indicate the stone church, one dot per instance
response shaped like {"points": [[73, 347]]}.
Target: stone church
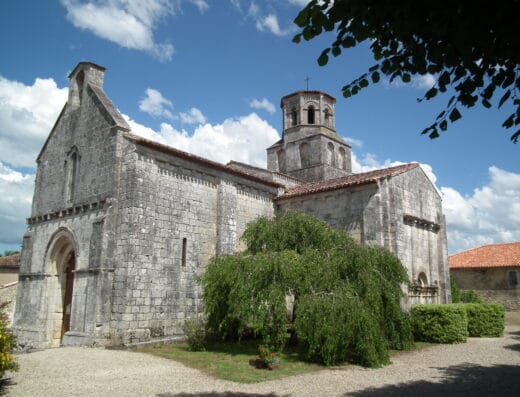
{"points": [[121, 227]]}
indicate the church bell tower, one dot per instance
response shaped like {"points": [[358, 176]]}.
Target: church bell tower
{"points": [[310, 148]]}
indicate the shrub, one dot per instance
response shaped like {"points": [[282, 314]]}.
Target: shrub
{"points": [[455, 298], [195, 332], [296, 254], [440, 323], [336, 328], [7, 341], [485, 319], [470, 296]]}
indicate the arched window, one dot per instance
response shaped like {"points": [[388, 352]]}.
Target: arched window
{"points": [[328, 118], [331, 160], [305, 155], [71, 173], [281, 160], [80, 80], [342, 158], [423, 280], [311, 115], [294, 118]]}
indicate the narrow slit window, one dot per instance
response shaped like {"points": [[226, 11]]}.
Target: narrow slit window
{"points": [[183, 260]]}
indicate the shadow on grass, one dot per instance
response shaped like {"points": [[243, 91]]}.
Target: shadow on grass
{"points": [[217, 394], [457, 380], [5, 384]]}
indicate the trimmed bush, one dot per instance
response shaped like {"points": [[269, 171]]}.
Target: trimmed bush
{"points": [[440, 323], [485, 319]]}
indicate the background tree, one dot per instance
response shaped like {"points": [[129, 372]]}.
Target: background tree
{"points": [[471, 47]]}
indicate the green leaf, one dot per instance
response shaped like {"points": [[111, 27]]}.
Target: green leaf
{"points": [[336, 51], [324, 58], [443, 125], [444, 79], [515, 136], [302, 18], [509, 122], [455, 115], [406, 78], [486, 103], [373, 68], [375, 77], [504, 98], [347, 93], [296, 39], [363, 83], [434, 134], [348, 42], [432, 92]]}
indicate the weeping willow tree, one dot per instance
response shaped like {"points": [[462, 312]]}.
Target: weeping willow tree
{"points": [[346, 296]]}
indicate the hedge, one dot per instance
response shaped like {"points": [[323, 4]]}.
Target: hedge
{"points": [[440, 323], [485, 319]]}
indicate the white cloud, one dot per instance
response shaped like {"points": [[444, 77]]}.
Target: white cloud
{"points": [[490, 215], [202, 5], [155, 104], [264, 104], [270, 23], [242, 138], [194, 116], [16, 192], [353, 141], [128, 23], [27, 114], [301, 3], [422, 82], [425, 81]]}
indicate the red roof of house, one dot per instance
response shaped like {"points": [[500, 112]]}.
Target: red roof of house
{"points": [[10, 262], [493, 255], [347, 181]]}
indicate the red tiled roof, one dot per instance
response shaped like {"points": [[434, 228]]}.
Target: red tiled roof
{"points": [[493, 255], [347, 181], [10, 262]]}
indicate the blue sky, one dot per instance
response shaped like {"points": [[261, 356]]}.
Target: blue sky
{"points": [[207, 77]]}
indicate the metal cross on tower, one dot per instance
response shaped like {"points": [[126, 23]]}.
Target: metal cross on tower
{"points": [[307, 81]]}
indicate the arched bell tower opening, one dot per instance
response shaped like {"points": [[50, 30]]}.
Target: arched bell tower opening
{"points": [[61, 264]]}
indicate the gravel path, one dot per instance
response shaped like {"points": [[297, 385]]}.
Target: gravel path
{"points": [[480, 367]]}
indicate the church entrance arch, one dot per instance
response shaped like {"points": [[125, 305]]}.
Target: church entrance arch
{"points": [[61, 263]]}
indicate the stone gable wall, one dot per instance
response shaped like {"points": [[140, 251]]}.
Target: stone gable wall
{"points": [[87, 129]]}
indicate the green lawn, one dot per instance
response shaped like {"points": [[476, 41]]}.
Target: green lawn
{"points": [[230, 361]]}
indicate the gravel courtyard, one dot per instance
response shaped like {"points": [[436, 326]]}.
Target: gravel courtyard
{"points": [[480, 367]]}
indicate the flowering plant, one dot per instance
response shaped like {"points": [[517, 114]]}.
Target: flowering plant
{"points": [[268, 357]]}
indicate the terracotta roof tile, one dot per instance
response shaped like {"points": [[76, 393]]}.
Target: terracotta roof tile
{"points": [[10, 262], [347, 181], [493, 255]]}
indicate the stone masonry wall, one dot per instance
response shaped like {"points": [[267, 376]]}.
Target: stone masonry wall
{"points": [[169, 205], [89, 221], [492, 284], [417, 222]]}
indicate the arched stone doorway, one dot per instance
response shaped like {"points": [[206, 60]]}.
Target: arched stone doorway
{"points": [[61, 263]]}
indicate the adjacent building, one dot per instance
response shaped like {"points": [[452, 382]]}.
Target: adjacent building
{"points": [[493, 271]]}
